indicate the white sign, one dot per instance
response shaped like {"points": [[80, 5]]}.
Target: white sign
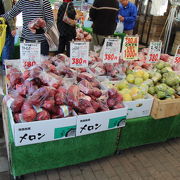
{"points": [[42, 131], [177, 56], [154, 52], [111, 50], [79, 54], [102, 121], [30, 54]]}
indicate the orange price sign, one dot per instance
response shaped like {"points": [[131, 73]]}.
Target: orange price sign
{"points": [[154, 52], [111, 50], [79, 54], [130, 48], [177, 56]]}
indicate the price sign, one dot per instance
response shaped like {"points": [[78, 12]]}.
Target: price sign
{"points": [[111, 50], [177, 56], [154, 52], [79, 54], [30, 54], [130, 48]]}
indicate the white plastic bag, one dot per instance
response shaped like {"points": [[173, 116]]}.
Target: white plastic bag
{"points": [[120, 27]]}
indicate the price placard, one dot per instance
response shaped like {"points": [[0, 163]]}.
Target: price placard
{"points": [[111, 50], [154, 51], [177, 56], [79, 54], [130, 48], [30, 54]]}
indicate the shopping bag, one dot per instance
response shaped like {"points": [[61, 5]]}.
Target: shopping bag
{"points": [[52, 34], [68, 20], [120, 27], [3, 27]]}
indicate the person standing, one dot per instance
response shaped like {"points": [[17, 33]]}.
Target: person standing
{"points": [[32, 9], [103, 13], [127, 15], [7, 53], [67, 32]]}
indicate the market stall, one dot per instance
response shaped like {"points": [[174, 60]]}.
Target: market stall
{"points": [[60, 111]]}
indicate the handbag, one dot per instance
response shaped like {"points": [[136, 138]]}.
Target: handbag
{"points": [[52, 34], [66, 19]]}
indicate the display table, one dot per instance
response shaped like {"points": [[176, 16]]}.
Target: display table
{"points": [[146, 130], [60, 153]]}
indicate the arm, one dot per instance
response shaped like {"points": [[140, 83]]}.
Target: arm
{"points": [[133, 16], [17, 8], [48, 14], [7, 7]]}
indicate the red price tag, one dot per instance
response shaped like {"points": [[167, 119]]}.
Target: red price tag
{"points": [[110, 57], [177, 59], [153, 57], [78, 61], [28, 64]]}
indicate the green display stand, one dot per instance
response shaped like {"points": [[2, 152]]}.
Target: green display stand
{"points": [[146, 130], [60, 153], [175, 128]]}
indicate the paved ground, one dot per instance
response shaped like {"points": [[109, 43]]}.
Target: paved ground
{"points": [[158, 161]]}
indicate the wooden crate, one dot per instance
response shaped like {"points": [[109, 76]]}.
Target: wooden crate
{"points": [[165, 108]]}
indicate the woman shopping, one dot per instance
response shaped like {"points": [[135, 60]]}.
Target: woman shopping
{"points": [[32, 9], [67, 29]]}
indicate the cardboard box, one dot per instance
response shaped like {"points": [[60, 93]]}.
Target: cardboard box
{"points": [[56, 129], [165, 108], [102, 121], [140, 107], [42, 131]]}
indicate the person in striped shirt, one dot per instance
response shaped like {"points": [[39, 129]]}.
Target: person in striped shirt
{"points": [[32, 9]]}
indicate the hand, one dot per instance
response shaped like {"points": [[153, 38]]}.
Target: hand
{"points": [[13, 33], [121, 18], [33, 30]]}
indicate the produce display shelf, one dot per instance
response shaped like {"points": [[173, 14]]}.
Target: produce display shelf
{"points": [[49, 155], [37, 157]]}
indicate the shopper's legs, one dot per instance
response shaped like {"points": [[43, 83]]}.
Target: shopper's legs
{"points": [[97, 40], [129, 32], [62, 44], [44, 48]]}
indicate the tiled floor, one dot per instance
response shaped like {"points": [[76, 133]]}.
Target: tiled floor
{"points": [[156, 161]]}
